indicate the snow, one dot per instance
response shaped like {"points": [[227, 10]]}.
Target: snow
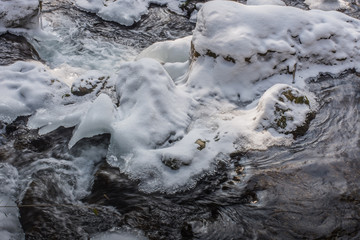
{"points": [[265, 2], [125, 12], [26, 87], [327, 5], [18, 13], [235, 46]]}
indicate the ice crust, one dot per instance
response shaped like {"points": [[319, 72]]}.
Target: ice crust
{"points": [[182, 106], [125, 12]]}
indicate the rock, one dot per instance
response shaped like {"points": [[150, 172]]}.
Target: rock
{"points": [[19, 13], [285, 109], [87, 84], [16, 48]]}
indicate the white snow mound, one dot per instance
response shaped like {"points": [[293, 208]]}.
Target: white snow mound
{"points": [[236, 45]]}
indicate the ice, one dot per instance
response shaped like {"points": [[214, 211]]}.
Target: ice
{"points": [[173, 54], [97, 120], [168, 51], [125, 12], [26, 87], [235, 46], [327, 5]]}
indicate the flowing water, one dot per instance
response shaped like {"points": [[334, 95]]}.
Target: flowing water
{"points": [[309, 190]]}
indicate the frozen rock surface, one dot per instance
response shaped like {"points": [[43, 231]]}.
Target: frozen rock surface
{"points": [[241, 45], [18, 13]]}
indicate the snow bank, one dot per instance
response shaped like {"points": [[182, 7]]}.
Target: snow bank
{"points": [[327, 5], [18, 13], [26, 87], [125, 12], [235, 46]]}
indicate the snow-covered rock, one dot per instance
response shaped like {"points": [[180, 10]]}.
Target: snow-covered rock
{"points": [[235, 46], [125, 12], [18, 13]]}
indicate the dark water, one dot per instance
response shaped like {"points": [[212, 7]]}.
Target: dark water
{"points": [[310, 190]]}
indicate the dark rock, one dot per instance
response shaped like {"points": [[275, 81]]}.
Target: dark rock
{"points": [[16, 48]]}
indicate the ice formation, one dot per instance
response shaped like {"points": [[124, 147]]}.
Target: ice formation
{"points": [[183, 105], [125, 12], [18, 13]]}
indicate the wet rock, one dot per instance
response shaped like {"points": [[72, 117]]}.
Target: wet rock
{"points": [[88, 84], [16, 48]]}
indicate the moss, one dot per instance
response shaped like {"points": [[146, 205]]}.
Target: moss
{"points": [[301, 130], [281, 122], [194, 54], [298, 100], [229, 59], [211, 54], [173, 163], [201, 143]]}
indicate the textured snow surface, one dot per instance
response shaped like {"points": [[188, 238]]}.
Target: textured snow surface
{"points": [[236, 45], [125, 12], [26, 87]]}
